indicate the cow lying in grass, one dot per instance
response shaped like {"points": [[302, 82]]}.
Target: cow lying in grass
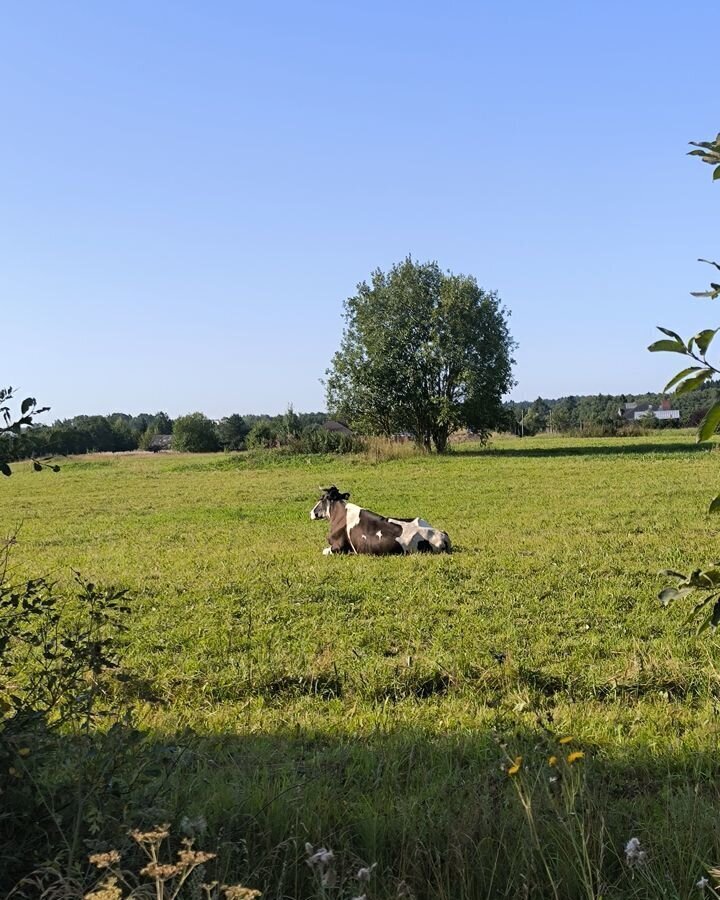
{"points": [[357, 530]]}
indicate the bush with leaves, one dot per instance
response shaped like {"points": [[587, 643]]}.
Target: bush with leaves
{"points": [[56, 653], [702, 583]]}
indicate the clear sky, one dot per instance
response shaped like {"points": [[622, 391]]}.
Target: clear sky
{"points": [[189, 191]]}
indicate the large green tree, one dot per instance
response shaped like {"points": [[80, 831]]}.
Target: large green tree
{"points": [[423, 351]]}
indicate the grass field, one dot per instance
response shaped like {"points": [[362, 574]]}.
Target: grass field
{"points": [[373, 705]]}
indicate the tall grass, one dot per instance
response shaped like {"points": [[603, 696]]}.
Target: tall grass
{"points": [[381, 449]]}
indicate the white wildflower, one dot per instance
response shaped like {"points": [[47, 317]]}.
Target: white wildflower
{"points": [[193, 827], [553, 779], [361, 897], [320, 857], [702, 884], [634, 854], [365, 872]]}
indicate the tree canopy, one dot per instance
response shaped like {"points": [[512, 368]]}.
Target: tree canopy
{"points": [[423, 351], [195, 433]]}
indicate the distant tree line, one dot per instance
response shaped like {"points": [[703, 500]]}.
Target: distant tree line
{"points": [[600, 412], [194, 433]]}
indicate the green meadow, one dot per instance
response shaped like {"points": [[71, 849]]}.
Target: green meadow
{"points": [[374, 705]]}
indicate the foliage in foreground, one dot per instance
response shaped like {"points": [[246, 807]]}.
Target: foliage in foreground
{"points": [[705, 582], [12, 427]]}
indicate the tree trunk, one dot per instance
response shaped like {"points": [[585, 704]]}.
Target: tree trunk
{"points": [[441, 440]]}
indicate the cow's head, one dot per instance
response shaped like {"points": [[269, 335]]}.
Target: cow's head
{"points": [[322, 508]]}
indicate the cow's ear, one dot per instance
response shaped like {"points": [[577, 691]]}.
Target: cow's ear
{"points": [[345, 496]]}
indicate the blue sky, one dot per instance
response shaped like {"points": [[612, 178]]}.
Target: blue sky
{"points": [[190, 190]]}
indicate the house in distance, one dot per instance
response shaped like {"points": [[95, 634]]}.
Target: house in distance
{"points": [[636, 412]]}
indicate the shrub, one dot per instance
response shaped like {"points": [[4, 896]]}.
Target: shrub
{"points": [[316, 439]]}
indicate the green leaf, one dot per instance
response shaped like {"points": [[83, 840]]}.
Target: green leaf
{"points": [[710, 263], [680, 376], [713, 576], [709, 424], [671, 334], [696, 609], [693, 383], [715, 617], [715, 504], [670, 346], [704, 338], [716, 174]]}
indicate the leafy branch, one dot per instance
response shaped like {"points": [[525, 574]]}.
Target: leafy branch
{"points": [[704, 582], [12, 427]]}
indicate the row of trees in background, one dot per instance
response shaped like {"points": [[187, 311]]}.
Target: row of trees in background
{"points": [[194, 433], [600, 411]]}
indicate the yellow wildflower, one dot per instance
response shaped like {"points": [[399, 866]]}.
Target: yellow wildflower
{"points": [[574, 757], [24, 751], [552, 761], [566, 740], [515, 767], [14, 772]]}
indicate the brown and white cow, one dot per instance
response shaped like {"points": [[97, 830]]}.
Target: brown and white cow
{"points": [[357, 530]]}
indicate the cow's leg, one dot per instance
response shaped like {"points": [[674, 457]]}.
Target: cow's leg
{"points": [[327, 551]]}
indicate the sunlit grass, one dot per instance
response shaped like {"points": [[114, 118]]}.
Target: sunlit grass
{"points": [[374, 702]]}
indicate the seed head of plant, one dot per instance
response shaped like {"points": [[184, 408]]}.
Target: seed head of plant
{"points": [[161, 871], [107, 891], [238, 892], [192, 858], [105, 860], [159, 833]]}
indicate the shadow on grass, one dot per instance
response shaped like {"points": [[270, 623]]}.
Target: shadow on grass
{"points": [[619, 449], [438, 812]]}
